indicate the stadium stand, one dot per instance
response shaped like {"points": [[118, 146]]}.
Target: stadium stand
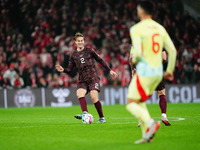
{"points": [[37, 34]]}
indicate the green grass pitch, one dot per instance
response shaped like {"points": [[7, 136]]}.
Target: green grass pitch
{"points": [[56, 129]]}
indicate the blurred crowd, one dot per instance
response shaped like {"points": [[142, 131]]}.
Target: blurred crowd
{"points": [[37, 34]]}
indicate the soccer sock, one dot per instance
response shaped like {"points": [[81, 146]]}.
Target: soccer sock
{"points": [[144, 126], [143, 105], [139, 112], [163, 103], [83, 104], [99, 108], [164, 115]]}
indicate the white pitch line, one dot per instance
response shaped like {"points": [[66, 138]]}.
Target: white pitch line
{"points": [[77, 124], [179, 119], [72, 124]]}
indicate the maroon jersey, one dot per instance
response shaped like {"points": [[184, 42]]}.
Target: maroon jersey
{"points": [[84, 61]]}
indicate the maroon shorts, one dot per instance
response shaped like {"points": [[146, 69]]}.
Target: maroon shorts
{"points": [[90, 85], [161, 86]]}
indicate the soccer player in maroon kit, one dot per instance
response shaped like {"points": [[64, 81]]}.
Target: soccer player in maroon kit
{"points": [[162, 97], [83, 59]]}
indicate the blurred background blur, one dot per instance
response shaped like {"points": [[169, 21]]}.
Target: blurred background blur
{"points": [[37, 34]]}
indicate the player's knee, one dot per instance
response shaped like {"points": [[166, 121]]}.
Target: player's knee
{"points": [[161, 92], [94, 98], [79, 94], [132, 101]]}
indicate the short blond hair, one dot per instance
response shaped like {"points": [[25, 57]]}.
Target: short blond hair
{"points": [[78, 34]]}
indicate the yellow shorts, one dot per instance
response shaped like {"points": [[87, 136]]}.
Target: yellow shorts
{"points": [[141, 88]]}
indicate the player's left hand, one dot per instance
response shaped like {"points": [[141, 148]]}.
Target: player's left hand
{"points": [[114, 74], [168, 76]]}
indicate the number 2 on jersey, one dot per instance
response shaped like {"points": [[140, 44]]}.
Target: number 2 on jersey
{"points": [[82, 60], [155, 45]]}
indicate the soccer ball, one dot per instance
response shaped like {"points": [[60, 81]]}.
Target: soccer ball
{"points": [[87, 118]]}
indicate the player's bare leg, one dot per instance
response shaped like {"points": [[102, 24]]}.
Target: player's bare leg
{"points": [[81, 96], [163, 106], [97, 103], [149, 126]]}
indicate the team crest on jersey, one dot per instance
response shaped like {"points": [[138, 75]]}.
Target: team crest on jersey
{"points": [[86, 54], [75, 57]]}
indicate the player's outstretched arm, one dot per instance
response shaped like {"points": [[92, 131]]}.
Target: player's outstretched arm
{"points": [[169, 46], [59, 68], [113, 74], [68, 69], [103, 63], [100, 60]]}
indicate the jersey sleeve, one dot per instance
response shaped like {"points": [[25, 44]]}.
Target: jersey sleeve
{"points": [[99, 60], [71, 65], [137, 45], [170, 48]]}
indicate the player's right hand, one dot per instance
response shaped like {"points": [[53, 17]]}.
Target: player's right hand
{"points": [[59, 68], [113, 74], [168, 76]]}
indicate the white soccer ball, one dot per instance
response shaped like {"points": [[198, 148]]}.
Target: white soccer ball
{"points": [[87, 118]]}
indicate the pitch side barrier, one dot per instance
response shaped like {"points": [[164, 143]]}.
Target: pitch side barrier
{"points": [[109, 95]]}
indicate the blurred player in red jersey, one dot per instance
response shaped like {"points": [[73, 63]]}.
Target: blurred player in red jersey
{"points": [[161, 93], [83, 59]]}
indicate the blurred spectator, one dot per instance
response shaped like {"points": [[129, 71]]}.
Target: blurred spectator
{"points": [[32, 57], [33, 79], [17, 81], [42, 82], [57, 81], [10, 73], [2, 54], [103, 78], [66, 80], [50, 82], [124, 76], [196, 74], [3, 67], [46, 59], [4, 82]]}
